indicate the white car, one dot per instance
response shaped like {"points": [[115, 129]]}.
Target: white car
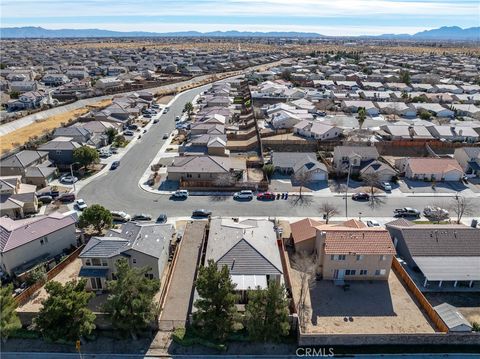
{"points": [[435, 212], [245, 194], [120, 216], [373, 223], [81, 205], [181, 193], [68, 179], [387, 186]]}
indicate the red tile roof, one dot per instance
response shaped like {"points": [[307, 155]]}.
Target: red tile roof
{"points": [[304, 229], [358, 241]]}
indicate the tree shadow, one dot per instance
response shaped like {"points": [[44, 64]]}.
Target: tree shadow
{"points": [[218, 198], [300, 201]]}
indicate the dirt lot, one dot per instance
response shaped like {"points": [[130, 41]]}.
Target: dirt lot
{"points": [[67, 274], [39, 128], [164, 100], [467, 303], [367, 307]]}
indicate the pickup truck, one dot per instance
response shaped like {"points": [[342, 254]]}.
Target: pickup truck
{"points": [[406, 212]]}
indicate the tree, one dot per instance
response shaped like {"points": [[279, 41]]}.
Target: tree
{"points": [[425, 115], [266, 313], [286, 75], [14, 94], [302, 179], [372, 180], [111, 134], [405, 77], [362, 116], [305, 265], [130, 304], [216, 312], [188, 109], [96, 216], [65, 314], [329, 210], [268, 170], [85, 155], [461, 206], [9, 321]]}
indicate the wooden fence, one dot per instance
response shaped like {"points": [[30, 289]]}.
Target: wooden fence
{"points": [[211, 186], [27, 293], [424, 303]]}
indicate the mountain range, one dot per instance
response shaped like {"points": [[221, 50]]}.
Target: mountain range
{"points": [[453, 33]]}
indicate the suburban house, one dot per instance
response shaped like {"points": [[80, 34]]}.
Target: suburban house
{"points": [[354, 106], [26, 242], [396, 108], [16, 198], [430, 169], [142, 245], [353, 251], [29, 100], [447, 255], [77, 134], [316, 130], [434, 108], [60, 150], [383, 171], [469, 160], [205, 168], [298, 163], [353, 158], [249, 249], [33, 166]]}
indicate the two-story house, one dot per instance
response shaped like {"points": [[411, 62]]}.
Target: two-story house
{"points": [[353, 158], [33, 166], [16, 198], [469, 159]]}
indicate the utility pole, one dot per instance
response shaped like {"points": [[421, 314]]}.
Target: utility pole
{"points": [[346, 189]]}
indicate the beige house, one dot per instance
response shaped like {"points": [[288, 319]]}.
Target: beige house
{"points": [[352, 251], [16, 198], [353, 158]]}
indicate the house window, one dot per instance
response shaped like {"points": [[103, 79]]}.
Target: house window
{"points": [[363, 272], [104, 263], [114, 277], [149, 275], [359, 257], [338, 257], [134, 260], [58, 152], [383, 257], [96, 262], [383, 271], [88, 262], [350, 272], [42, 242]]}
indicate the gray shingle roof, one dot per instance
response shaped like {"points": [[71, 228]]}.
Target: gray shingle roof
{"points": [[101, 247], [22, 159]]}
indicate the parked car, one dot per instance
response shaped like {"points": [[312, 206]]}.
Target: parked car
{"points": [[148, 115], [406, 212], [142, 217], [45, 198], [54, 193], [114, 165], [373, 223], [245, 194], [177, 118], [435, 212], [81, 205], [156, 105], [162, 218], [165, 136], [201, 213], [181, 193], [69, 179], [129, 133], [266, 196], [166, 109], [113, 149], [105, 154], [156, 120], [386, 186], [133, 127], [66, 197], [360, 196], [120, 216]]}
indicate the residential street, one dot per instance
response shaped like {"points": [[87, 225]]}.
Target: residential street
{"points": [[119, 189]]}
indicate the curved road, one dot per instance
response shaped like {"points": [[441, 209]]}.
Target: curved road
{"points": [[119, 190]]}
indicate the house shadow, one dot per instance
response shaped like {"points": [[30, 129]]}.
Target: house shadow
{"points": [[167, 185], [361, 299], [437, 187]]}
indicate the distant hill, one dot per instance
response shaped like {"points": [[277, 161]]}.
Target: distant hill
{"points": [[444, 33], [39, 32]]}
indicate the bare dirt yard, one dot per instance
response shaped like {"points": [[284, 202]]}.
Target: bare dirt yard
{"points": [[467, 303], [19, 137], [370, 307]]}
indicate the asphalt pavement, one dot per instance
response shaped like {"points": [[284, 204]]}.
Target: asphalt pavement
{"points": [[119, 189]]}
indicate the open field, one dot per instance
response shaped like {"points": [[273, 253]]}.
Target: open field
{"points": [[233, 44], [369, 307], [19, 137]]}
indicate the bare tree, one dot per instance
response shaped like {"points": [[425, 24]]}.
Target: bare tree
{"points": [[372, 180], [304, 263], [328, 210], [302, 179], [461, 206]]}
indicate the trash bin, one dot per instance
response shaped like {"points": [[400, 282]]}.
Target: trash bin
{"points": [[474, 223]]}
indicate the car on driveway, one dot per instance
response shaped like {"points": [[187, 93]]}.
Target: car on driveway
{"points": [[105, 154], [373, 223], [80, 204], [69, 179], [120, 216], [181, 194], [162, 218], [204, 213], [266, 196], [66, 197], [360, 196], [129, 133], [386, 186], [45, 198], [113, 149], [114, 165], [142, 217], [245, 194], [406, 212]]}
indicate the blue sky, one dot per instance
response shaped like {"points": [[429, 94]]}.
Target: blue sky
{"points": [[328, 17]]}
